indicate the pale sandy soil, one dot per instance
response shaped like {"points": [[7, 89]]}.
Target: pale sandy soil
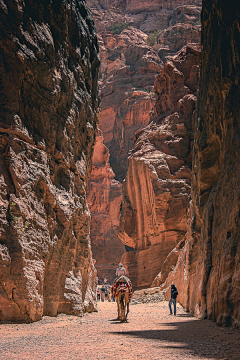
{"points": [[150, 334]]}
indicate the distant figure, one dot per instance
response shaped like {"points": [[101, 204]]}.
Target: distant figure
{"points": [[102, 294], [98, 294], [120, 270], [173, 300]]}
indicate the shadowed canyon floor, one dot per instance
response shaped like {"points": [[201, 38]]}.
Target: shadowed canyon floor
{"points": [[151, 333]]}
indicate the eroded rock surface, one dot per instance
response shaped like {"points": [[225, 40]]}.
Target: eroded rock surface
{"points": [[156, 191], [104, 198], [49, 98], [130, 62], [207, 271], [147, 16]]}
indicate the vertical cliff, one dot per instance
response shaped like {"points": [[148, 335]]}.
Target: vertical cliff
{"points": [[207, 270], [135, 39], [156, 191], [104, 197], [48, 120], [214, 246], [129, 64]]}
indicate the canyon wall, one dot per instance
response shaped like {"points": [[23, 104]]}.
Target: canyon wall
{"points": [[214, 246], [207, 269], [48, 121], [104, 195], [156, 192], [130, 60]]}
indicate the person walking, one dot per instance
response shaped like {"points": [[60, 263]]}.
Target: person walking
{"points": [[173, 300]]}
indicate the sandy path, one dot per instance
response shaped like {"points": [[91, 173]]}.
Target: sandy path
{"points": [[150, 334]]}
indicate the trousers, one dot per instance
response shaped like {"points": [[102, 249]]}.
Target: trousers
{"points": [[174, 302]]}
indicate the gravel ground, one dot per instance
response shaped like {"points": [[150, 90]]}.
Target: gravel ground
{"points": [[151, 333]]}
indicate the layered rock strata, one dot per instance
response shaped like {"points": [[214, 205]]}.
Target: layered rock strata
{"points": [[49, 101], [148, 16], [128, 72], [129, 63], [104, 198], [207, 271], [156, 191]]}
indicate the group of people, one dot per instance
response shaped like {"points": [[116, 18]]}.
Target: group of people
{"points": [[104, 292]]}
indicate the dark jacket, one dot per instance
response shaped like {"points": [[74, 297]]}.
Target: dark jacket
{"points": [[174, 292]]}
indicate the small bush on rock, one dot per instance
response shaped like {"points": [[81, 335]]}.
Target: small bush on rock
{"points": [[152, 38], [118, 28]]}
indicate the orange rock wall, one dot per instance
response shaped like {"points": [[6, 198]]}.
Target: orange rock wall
{"points": [[104, 197], [129, 65], [48, 120], [128, 70], [156, 191]]}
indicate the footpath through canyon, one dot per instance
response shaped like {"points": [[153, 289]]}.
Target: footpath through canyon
{"points": [[150, 334], [154, 180]]}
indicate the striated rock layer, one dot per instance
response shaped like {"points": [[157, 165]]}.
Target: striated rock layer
{"points": [[130, 62], [148, 16], [104, 198], [49, 99], [156, 191], [207, 270]]}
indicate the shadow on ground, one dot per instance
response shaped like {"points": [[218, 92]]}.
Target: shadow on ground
{"points": [[197, 336]]}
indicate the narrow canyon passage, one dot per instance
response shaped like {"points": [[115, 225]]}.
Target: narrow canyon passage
{"points": [[151, 333]]}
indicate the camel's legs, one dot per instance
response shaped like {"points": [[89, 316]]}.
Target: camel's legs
{"points": [[122, 307], [118, 307], [127, 308]]}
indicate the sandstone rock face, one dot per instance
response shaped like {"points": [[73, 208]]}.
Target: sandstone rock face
{"points": [[129, 65], [49, 99], [210, 261], [147, 16], [172, 39], [127, 93], [104, 198], [214, 275], [156, 191]]}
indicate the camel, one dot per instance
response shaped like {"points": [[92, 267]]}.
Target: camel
{"points": [[122, 292], [123, 305]]}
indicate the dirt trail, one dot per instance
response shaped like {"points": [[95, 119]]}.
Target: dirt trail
{"points": [[151, 333]]}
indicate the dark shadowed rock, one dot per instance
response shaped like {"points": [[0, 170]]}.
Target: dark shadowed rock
{"points": [[207, 271], [49, 100]]}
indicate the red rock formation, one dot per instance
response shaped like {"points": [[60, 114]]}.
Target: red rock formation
{"points": [[128, 70], [148, 16], [104, 199], [49, 69], [172, 39], [157, 188], [207, 271], [128, 73], [129, 65]]}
